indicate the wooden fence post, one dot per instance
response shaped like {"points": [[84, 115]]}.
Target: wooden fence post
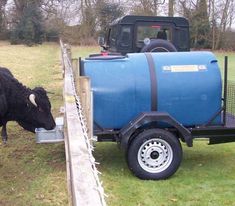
{"points": [[68, 50], [85, 95], [75, 72]]}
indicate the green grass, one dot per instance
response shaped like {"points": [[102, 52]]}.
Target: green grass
{"points": [[32, 174], [231, 63], [205, 177]]}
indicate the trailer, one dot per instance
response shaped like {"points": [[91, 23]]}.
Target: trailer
{"points": [[151, 102]]}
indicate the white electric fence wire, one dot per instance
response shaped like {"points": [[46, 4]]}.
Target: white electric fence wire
{"points": [[82, 118]]}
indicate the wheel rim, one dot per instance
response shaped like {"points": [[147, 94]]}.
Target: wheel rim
{"points": [[155, 155]]}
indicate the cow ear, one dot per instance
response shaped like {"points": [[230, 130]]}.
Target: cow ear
{"points": [[40, 91], [3, 105]]}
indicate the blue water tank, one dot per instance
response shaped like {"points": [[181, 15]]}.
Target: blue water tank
{"points": [[188, 87]]}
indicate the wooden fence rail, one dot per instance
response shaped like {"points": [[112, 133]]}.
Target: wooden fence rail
{"points": [[84, 186]]}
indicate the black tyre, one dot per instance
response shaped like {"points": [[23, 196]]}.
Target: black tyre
{"points": [[154, 154], [159, 45]]}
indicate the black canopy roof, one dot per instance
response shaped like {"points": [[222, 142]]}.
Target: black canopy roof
{"points": [[132, 19]]}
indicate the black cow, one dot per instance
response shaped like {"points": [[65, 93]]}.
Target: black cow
{"points": [[30, 108]]}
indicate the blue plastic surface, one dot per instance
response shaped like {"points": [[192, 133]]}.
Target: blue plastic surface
{"points": [[188, 87]]}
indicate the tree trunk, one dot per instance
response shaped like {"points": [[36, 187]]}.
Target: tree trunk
{"points": [[222, 24], [213, 23], [171, 7]]}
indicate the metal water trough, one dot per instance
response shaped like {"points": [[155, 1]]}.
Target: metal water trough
{"points": [[51, 136]]}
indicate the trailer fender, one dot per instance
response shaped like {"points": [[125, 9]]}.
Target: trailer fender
{"points": [[148, 117]]}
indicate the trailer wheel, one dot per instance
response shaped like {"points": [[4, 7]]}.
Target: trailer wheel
{"points": [[154, 154], [159, 45]]}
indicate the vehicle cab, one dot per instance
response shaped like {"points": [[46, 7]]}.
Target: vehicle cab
{"points": [[132, 34]]}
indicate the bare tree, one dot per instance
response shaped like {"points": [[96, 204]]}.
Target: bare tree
{"points": [[146, 7], [171, 7], [221, 17], [2, 17]]}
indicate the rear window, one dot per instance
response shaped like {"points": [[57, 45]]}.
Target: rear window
{"points": [[125, 37], [183, 40], [152, 31]]}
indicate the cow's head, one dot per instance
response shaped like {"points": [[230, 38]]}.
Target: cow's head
{"points": [[38, 112]]}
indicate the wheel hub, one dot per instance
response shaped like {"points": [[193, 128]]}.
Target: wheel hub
{"points": [[155, 155]]}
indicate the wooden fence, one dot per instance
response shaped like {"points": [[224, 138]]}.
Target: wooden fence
{"points": [[84, 185]]}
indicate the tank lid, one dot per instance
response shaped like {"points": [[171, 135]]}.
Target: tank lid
{"points": [[106, 57]]}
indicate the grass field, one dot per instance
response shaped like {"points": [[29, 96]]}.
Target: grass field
{"points": [[33, 174]]}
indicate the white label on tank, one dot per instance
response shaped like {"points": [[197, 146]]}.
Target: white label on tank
{"points": [[184, 68]]}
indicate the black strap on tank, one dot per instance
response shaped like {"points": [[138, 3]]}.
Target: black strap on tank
{"points": [[153, 81]]}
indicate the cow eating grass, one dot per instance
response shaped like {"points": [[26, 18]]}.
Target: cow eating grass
{"points": [[31, 109]]}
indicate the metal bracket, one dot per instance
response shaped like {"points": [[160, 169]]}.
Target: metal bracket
{"points": [[148, 117]]}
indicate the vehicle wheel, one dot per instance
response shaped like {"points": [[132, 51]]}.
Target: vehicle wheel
{"points": [[154, 154], [159, 45]]}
